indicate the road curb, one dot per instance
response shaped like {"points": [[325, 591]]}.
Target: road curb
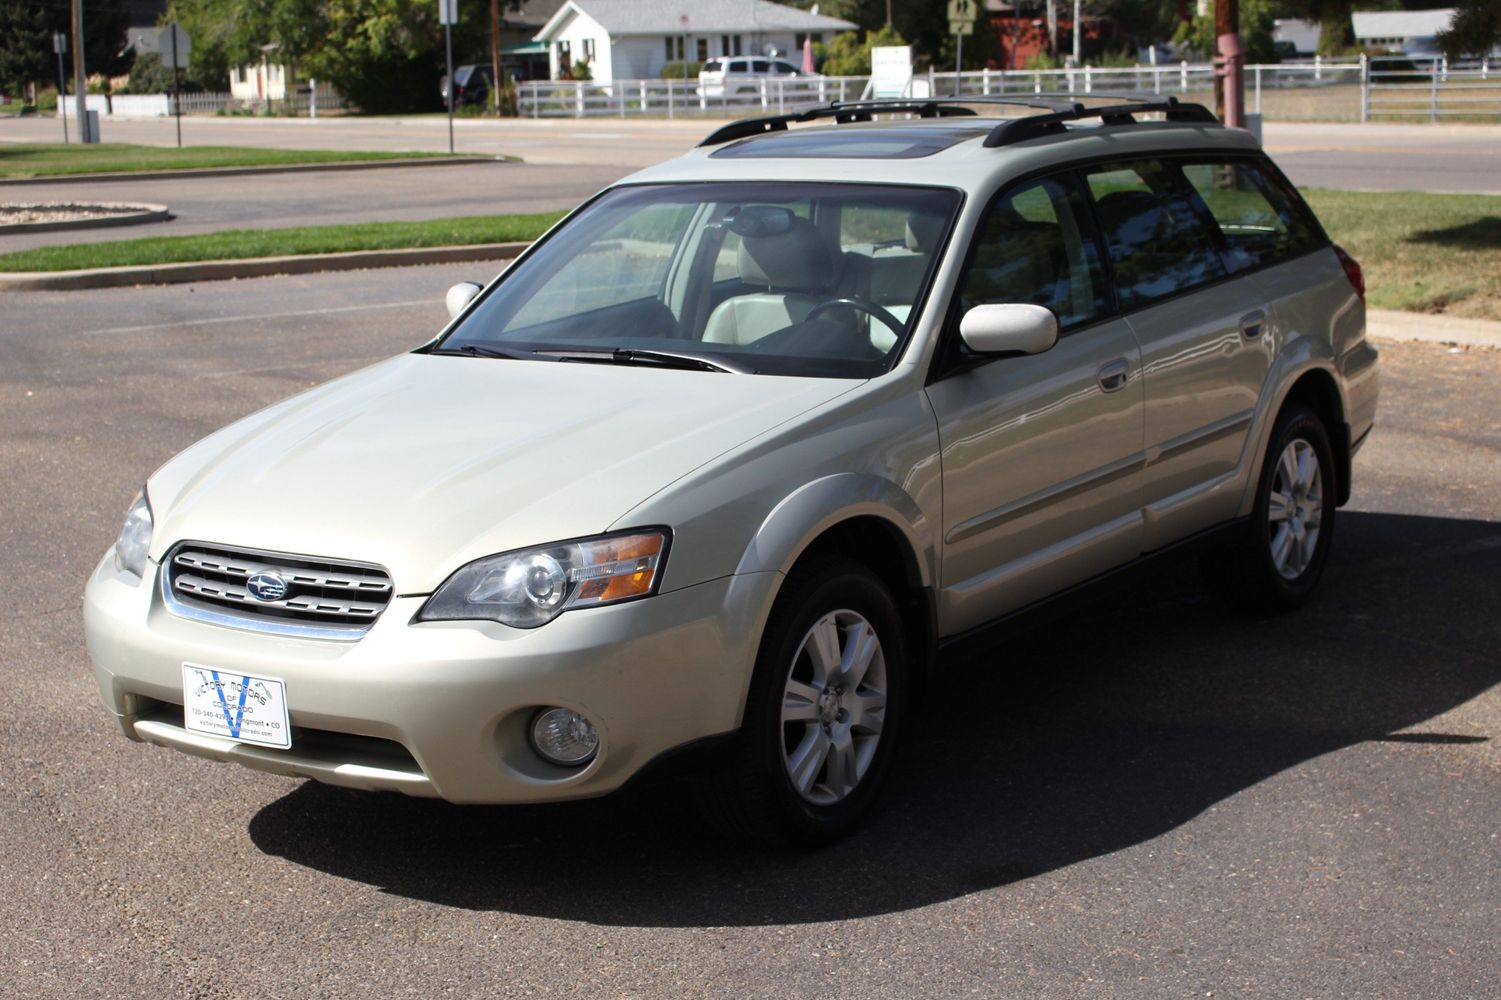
{"points": [[255, 267], [143, 212], [284, 168], [1391, 324]]}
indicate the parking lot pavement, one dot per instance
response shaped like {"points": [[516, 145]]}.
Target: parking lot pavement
{"points": [[1149, 798]]}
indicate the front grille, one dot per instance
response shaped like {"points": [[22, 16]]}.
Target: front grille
{"points": [[322, 598]]}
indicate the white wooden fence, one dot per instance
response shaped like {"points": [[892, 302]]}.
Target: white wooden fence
{"points": [[675, 98], [1405, 88]]}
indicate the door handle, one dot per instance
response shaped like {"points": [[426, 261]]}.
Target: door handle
{"points": [[1251, 323], [1112, 376]]}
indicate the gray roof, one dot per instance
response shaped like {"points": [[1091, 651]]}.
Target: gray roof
{"points": [[1401, 23], [705, 17]]}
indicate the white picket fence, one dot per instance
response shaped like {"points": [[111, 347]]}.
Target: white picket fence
{"points": [[162, 105], [674, 98]]}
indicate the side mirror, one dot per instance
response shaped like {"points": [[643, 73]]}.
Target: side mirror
{"points": [[459, 296], [1009, 328]]}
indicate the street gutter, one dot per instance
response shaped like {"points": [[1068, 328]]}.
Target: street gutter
{"points": [[282, 168]]}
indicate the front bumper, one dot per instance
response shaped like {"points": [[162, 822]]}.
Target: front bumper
{"points": [[442, 708]]}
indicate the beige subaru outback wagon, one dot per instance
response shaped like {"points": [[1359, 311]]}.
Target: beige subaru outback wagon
{"points": [[734, 450]]}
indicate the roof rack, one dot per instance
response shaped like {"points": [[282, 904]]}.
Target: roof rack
{"points": [[1057, 108]]}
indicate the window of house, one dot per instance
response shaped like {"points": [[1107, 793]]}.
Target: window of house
{"points": [[565, 55], [674, 48], [589, 50], [703, 49]]}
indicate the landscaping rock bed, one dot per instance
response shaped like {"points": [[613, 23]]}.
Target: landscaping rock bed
{"points": [[34, 217]]}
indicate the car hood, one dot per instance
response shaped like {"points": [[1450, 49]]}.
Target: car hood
{"points": [[423, 463]]}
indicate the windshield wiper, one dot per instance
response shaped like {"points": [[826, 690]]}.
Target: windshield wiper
{"points": [[483, 351], [663, 359]]}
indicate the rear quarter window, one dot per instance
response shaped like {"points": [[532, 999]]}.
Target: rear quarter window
{"points": [[1260, 222]]}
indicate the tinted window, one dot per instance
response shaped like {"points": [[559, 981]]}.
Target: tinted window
{"points": [[1159, 244], [784, 69], [1035, 247], [760, 66], [1259, 223], [712, 66]]}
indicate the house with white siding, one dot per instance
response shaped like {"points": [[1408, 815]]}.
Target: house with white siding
{"points": [[635, 39]]}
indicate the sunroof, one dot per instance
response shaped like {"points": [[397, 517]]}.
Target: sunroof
{"points": [[852, 143]]}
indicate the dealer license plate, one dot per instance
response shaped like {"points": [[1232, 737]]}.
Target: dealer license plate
{"points": [[236, 706]]}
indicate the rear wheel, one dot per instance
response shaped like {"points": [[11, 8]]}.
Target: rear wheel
{"points": [[1278, 562], [826, 703]]}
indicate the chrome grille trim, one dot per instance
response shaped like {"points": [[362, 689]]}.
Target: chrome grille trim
{"points": [[325, 598]]}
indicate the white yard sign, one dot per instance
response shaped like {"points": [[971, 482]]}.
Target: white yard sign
{"points": [[891, 70]]}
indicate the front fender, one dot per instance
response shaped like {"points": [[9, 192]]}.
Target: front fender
{"points": [[809, 511]]}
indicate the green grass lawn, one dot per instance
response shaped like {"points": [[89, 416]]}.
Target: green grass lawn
{"points": [[1435, 253], [36, 159], [236, 243]]}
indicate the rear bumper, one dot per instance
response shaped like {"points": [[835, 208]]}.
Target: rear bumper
{"points": [[443, 708]]}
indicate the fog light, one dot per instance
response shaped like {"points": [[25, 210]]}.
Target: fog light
{"points": [[564, 737]]}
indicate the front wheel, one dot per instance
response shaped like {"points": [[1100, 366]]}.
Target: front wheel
{"points": [[826, 703]]}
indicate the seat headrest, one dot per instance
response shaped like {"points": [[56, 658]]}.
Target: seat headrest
{"points": [[798, 260], [924, 231]]}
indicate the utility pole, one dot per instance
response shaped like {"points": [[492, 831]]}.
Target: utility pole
{"points": [[1078, 31], [495, 80], [1229, 64], [80, 83], [1053, 28]]}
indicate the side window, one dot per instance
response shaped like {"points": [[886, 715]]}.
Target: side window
{"points": [[1260, 223], [1035, 247], [1158, 242], [760, 66]]}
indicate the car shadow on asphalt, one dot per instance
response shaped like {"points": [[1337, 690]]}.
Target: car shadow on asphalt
{"points": [[1070, 741]]}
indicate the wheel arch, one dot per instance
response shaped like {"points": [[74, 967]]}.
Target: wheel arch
{"points": [[1315, 384], [873, 522]]}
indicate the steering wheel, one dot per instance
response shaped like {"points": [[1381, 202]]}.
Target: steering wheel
{"points": [[896, 326]]}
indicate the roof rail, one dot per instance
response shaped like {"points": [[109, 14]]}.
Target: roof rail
{"points": [[1057, 108], [844, 112], [1035, 126]]}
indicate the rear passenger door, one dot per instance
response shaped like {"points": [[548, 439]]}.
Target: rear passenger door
{"points": [[1041, 453], [1204, 340]]}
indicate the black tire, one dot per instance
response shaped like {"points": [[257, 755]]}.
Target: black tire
{"points": [[754, 794], [1254, 576]]}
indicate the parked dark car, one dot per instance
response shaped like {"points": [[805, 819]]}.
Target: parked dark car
{"points": [[473, 85]]}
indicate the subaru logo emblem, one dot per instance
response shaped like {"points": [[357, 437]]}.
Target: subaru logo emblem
{"points": [[266, 587]]}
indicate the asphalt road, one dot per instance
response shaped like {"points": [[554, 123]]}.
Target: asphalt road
{"points": [[319, 198], [1148, 799]]}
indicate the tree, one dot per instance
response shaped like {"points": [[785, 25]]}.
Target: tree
{"points": [[1257, 28], [26, 29], [25, 45], [849, 54], [1475, 30]]}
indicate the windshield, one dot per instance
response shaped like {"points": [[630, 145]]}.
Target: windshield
{"points": [[774, 278]]}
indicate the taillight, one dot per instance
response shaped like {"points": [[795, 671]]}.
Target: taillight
{"points": [[1352, 271]]}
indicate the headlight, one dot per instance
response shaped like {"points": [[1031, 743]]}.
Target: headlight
{"points": [[531, 587], [135, 538]]}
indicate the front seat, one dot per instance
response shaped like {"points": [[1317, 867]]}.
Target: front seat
{"points": [[798, 270]]}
